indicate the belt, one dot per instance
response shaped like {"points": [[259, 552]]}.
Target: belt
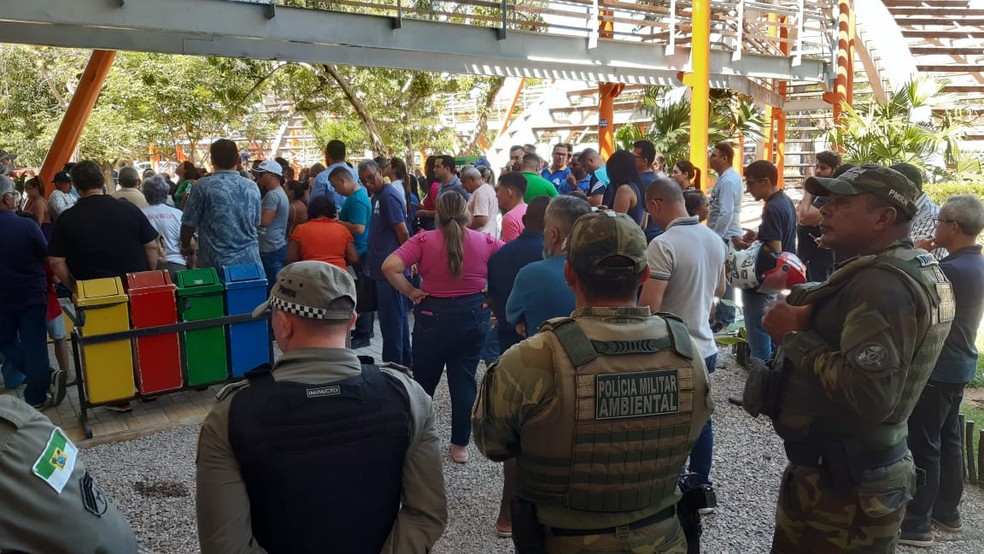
{"points": [[618, 530], [812, 454]]}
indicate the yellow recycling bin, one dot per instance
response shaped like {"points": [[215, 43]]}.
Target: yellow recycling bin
{"points": [[108, 366]]}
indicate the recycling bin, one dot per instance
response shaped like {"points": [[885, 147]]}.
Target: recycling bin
{"points": [[200, 298], [152, 304], [107, 366], [249, 342]]}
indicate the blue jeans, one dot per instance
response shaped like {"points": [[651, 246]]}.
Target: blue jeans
{"points": [[725, 315], [754, 306], [273, 262], [393, 324], [702, 453], [451, 332], [490, 352], [23, 342]]}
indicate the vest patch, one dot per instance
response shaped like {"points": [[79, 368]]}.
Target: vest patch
{"points": [[322, 392], [643, 394]]}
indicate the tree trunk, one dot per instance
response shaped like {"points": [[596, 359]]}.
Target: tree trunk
{"points": [[378, 147], [495, 85]]}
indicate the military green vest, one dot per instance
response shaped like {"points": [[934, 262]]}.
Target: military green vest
{"points": [[619, 429], [808, 414]]}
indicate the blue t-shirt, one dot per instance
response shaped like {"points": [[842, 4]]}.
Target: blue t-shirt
{"points": [[504, 265], [358, 210], [558, 178], [225, 208], [387, 211], [779, 221], [540, 293], [958, 359], [322, 186], [22, 280]]}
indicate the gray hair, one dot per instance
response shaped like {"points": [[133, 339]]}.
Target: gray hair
{"points": [[968, 211], [7, 187], [470, 172], [155, 189], [564, 210], [129, 177], [368, 164]]}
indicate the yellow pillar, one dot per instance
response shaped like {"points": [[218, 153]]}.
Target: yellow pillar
{"points": [[607, 93], [699, 88], [779, 114], [84, 99], [770, 134]]}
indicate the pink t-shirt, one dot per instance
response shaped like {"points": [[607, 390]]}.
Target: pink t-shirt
{"points": [[512, 222], [426, 249]]}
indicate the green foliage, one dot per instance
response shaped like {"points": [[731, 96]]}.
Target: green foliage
{"points": [[731, 117], [917, 125], [939, 192]]}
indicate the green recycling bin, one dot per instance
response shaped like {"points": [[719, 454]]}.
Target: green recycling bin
{"points": [[200, 298]]}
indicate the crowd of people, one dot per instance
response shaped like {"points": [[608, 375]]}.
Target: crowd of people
{"points": [[593, 293]]}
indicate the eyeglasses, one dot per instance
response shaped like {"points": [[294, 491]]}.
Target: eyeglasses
{"points": [[938, 220]]}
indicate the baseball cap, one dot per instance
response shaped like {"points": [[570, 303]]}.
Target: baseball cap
{"points": [[871, 179], [310, 289], [269, 166], [606, 243], [62, 177]]}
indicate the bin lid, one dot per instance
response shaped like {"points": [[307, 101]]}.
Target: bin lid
{"points": [[243, 272], [198, 281], [147, 279], [99, 292]]}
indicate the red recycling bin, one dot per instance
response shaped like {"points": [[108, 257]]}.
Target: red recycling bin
{"points": [[152, 303]]}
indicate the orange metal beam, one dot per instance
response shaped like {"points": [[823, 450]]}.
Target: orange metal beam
{"points": [[845, 57], [700, 53], [778, 113], [84, 99], [512, 107], [607, 93]]}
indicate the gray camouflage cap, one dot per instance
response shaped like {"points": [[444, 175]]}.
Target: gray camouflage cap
{"points": [[606, 243], [309, 289], [871, 179]]}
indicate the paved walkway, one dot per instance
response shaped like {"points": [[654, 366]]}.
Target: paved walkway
{"points": [[190, 406]]}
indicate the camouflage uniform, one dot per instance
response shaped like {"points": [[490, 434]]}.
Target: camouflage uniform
{"points": [[846, 389], [590, 459]]}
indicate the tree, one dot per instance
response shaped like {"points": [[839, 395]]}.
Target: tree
{"points": [[917, 125]]}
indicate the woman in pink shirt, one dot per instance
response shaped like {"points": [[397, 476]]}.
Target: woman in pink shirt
{"points": [[451, 316]]}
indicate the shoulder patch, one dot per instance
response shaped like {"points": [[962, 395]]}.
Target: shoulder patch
{"points": [[871, 356], [227, 390], [93, 499], [57, 461]]}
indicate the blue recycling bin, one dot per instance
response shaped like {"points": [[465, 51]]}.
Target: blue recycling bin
{"points": [[249, 342]]}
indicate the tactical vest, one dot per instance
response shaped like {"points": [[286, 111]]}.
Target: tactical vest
{"points": [[322, 464], [614, 438], [808, 415]]}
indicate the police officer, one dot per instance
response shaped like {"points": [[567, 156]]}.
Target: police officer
{"points": [[320, 453], [600, 410], [48, 501], [857, 350]]}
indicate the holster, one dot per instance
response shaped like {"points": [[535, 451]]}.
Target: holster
{"points": [[842, 462], [528, 535], [695, 497]]}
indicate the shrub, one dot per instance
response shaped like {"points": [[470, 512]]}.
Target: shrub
{"points": [[939, 192]]}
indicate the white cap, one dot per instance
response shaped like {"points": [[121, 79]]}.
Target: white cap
{"points": [[269, 166]]}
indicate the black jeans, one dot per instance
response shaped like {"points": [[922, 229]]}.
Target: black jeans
{"points": [[935, 439]]}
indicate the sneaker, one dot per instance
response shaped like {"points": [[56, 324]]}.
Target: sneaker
{"points": [[44, 405], [922, 539], [360, 342], [736, 400], [459, 454], [950, 526], [120, 408], [705, 511], [58, 380]]}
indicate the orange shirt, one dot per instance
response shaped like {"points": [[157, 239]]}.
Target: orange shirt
{"points": [[323, 240]]}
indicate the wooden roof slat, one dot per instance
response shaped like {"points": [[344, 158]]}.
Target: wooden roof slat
{"points": [[951, 68]]}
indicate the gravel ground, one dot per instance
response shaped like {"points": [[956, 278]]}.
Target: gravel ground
{"points": [[151, 479]]}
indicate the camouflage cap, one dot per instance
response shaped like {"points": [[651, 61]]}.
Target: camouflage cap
{"points": [[310, 289], [871, 179], [606, 243]]}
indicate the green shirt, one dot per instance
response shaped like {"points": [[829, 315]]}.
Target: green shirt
{"points": [[537, 186]]}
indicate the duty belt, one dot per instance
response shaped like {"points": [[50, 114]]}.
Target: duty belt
{"points": [[812, 454], [618, 530]]}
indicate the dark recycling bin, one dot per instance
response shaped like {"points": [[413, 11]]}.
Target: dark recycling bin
{"points": [[249, 343], [152, 304], [199, 298]]}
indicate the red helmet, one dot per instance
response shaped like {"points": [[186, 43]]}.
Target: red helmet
{"points": [[787, 272]]}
